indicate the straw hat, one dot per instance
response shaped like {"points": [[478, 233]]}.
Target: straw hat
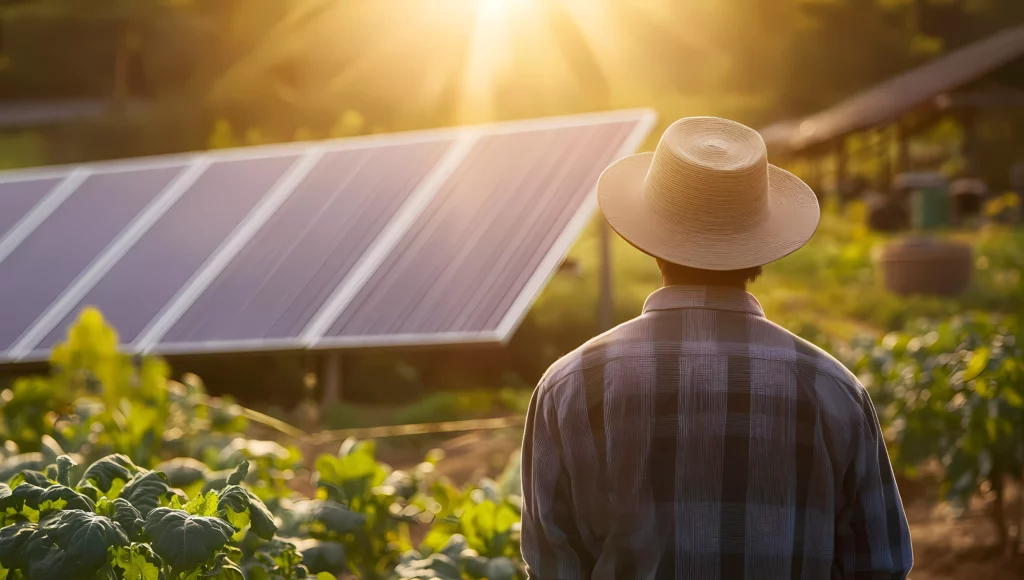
{"points": [[708, 198]]}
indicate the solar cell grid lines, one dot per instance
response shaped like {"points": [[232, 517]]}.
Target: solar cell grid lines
{"points": [[429, 237]]}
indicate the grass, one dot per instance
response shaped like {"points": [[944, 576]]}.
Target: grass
{"points": [[436, 407]]}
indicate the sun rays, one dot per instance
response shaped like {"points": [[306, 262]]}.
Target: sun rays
{"points": [[419, 62]]}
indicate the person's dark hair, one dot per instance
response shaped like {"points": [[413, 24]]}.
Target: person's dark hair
{"points": [[676, 274]]}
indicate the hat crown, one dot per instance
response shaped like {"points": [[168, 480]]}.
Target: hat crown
{"points": [[712, 171]]}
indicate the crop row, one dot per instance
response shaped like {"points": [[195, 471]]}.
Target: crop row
{"points": [[114, 471]]}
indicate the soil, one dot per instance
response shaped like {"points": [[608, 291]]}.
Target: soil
{"points": [[945, 548]]}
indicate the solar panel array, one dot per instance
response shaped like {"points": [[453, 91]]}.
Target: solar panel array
{"points": [[432, 237]]}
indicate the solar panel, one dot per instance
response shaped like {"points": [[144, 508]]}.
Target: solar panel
{"points": [[431, 237], [18, 197], [273, 287], [62, 247], [169, 254]]}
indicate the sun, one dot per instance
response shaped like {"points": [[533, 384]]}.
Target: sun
{"points": [[495, 5]]}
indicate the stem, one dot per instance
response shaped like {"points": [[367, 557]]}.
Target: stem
{"points": [[1015, 548], [999, 513]]}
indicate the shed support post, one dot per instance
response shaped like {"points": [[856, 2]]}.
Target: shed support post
{"points": [[333, 371], [841, 185], [903, 148], [814, 174], [606, 300], [886, 173], [969, 122]]}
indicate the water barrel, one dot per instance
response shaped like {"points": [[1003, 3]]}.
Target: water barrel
{"points": [[920, 265]]}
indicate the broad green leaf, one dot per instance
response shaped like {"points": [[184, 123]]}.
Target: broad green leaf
{"points": [[73, 544], [501, 568], [236, 499], [439, 535], [355, 473], [204, 504], [1012, 397], [36, 478], [977, 365], [239, 474], [145, 490], [183, 471], [322, 556], [506, 517], [104, 472], [21, 497], [475, 565], [12, 544], [337, 518], [454, 547], [480, 522], [71, 499], [992, 429], [319, 576], [435, 566], [27, 498], [175, 502], [64, 466], [185, 541], [124, 514], [137, 562]]}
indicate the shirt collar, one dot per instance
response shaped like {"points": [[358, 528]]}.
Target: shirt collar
{"points": [[704, 297]]}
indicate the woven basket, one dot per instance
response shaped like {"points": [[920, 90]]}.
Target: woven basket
{"points": [[926, 266]]}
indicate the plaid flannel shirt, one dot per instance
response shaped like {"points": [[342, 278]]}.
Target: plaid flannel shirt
{"points": [[701, 441]]}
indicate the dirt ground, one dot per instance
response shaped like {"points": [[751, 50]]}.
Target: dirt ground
{"points": [[944, 548]]}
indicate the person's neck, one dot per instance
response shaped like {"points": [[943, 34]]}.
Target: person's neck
{"points": [[666, 283]]}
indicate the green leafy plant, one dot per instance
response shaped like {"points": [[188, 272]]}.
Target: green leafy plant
{"points": [[954, 392], [123, 522], [98, 401], [365, 506]]}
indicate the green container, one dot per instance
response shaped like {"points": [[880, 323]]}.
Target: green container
{"points": [[929, 199], [929, 209]]}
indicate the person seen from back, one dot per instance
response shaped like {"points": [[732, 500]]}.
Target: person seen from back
{"points": [[701, 441]]}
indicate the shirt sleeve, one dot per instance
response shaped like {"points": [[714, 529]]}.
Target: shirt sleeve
{"points": [[872, 534], [551, 544]]}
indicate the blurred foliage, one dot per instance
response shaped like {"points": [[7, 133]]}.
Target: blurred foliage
{"points": [[20, 149], [952, 391], [98, 401]]}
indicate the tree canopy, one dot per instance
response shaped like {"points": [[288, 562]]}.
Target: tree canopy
{"points": [[222, 72]]}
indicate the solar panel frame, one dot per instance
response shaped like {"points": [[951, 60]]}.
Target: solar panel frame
{"points": [[313, 338]]}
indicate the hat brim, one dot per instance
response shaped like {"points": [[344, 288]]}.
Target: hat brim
{"points": [[791, 220]]}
